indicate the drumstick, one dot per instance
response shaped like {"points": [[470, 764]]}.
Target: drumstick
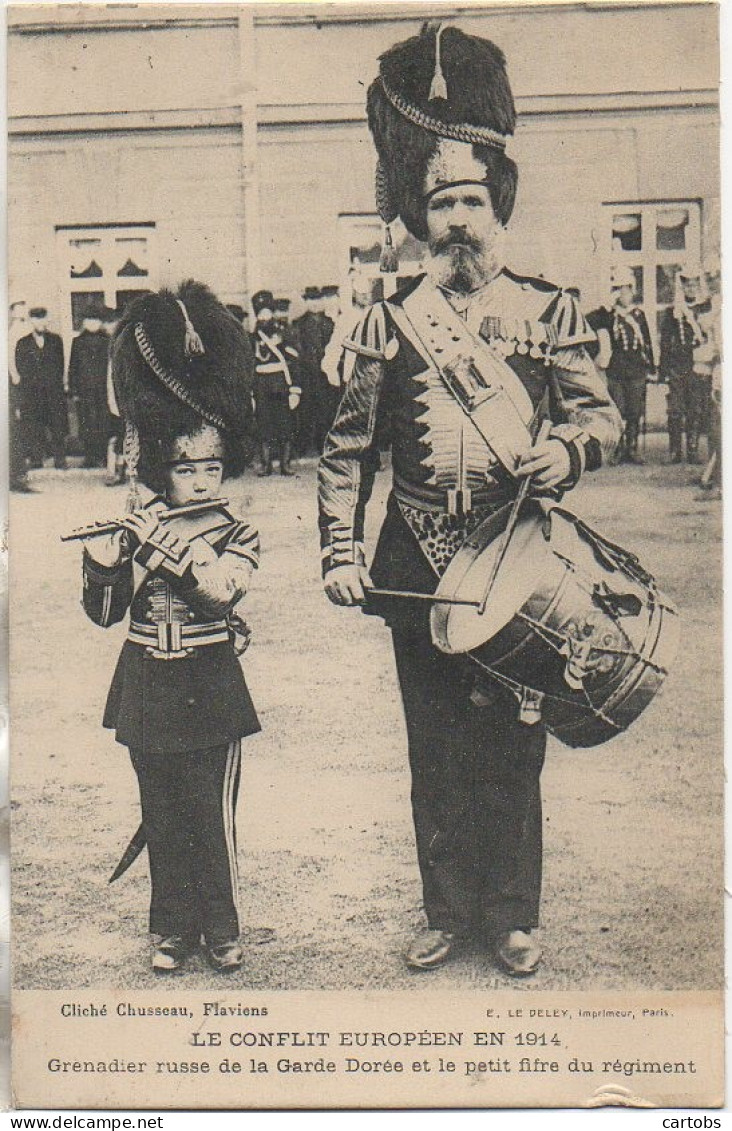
{"points": [[511, 524], [419, 596]]}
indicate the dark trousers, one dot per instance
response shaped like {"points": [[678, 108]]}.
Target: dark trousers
{"points": [[476, 800], [630, 399], [188, 806], [17, 435], [46, 434], [94, 425], [689, 398]]}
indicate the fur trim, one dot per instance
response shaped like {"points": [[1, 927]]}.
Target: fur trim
{"points": [[166, 391], [479, 94]]}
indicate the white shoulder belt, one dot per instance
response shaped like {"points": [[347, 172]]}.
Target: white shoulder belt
{"points": [[486, 388]]}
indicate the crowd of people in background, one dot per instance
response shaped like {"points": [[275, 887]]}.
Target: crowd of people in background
{"points": [[59, 410], [688, 366]]}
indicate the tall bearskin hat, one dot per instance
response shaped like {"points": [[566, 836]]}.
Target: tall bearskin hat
{"points": [[440, 112], [182, 366]]}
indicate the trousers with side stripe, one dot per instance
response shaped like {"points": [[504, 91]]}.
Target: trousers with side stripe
{"points": [[188, 807]]}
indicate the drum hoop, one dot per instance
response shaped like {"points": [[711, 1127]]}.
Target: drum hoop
{"points": [[441, 614], [644, 662]]}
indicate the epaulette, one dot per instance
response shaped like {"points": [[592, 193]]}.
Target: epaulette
{"points": [[242, 538], [568, 322], [531, 281]]}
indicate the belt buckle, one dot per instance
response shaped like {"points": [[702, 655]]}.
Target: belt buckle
{"points": [[170, 643], [159, 654]]}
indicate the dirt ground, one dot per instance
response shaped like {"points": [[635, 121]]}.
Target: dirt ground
{"points": [[329, 883]]}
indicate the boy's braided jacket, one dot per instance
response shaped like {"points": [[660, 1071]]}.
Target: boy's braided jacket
{"points": [[178, 683]]}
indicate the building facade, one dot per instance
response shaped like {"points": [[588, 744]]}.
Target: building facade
{"points": [[230, 144]]}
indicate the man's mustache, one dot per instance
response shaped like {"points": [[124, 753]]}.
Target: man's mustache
{"points": [[457, 238]]}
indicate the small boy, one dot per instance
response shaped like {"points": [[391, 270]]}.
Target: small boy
{"points": [[178, 698]]}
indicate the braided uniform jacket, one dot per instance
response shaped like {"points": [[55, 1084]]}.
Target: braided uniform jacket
{"points": [[687, 342], [395, 397], [632, 356], [276, 366], [168, 695]]}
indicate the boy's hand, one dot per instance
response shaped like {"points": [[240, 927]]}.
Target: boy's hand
{"points": [[107, 550], [140, 526]]}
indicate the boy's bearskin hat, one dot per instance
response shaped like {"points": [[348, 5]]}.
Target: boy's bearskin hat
{"points": [[181, 360], [441, 85]]}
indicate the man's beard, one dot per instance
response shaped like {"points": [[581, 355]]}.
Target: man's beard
{"points": [[461, 262]]}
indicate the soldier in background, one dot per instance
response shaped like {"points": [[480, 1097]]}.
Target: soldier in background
{"points": [[17, 423], [601, 321], [313, 330], [686, 365], [631, 362], [88, 372], [39, 361], [276, 384], [282, 314], [115, 441]]}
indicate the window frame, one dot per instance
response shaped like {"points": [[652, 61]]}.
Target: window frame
{"points": [[649, 257], [109, 282]]}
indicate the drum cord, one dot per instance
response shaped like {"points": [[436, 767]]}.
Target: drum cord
{"points": [[544, 632], [589, 589], [517, 689]]}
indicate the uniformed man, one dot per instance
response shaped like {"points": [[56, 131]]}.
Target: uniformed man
{"points": [[277, 386], [17, 409], [88, 370], [282, 314], [631, 362], [601, 321], [441, 113], [686, 365], [39, 360], [313, 330], [115, 425]]}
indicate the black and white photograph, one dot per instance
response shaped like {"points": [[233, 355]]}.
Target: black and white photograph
{"points": [[365, 512]]}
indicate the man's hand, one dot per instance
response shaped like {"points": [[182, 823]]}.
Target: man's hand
{"points": [[547, 464], [345, 585]]}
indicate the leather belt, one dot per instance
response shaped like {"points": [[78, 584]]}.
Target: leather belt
{"points": [[433, 499], [172, 641]]}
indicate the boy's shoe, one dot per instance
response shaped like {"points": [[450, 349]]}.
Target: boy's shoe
{"points": [[225, 956], [170, 954]]}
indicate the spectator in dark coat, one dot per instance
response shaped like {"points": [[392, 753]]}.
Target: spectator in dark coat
{"points": [[88, 386], [39, 361]]}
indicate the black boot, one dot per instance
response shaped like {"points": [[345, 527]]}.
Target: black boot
{"points": [[285, 468], [692, 448], [266, 468], [674, 439], [632, 453]]}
